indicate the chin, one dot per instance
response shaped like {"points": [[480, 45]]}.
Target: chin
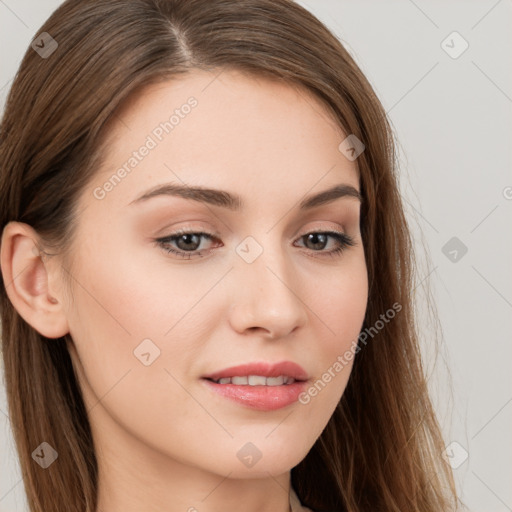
{"points": [[273, 455]]}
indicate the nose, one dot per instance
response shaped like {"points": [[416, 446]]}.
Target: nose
{"points": [[266, 297]]}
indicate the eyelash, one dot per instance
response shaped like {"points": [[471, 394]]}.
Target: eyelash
{"points": [[343, 239]]}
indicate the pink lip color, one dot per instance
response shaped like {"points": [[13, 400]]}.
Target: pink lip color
{"points": [[286, 368], [263, 398]]}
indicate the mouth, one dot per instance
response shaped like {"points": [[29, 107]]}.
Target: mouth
{"points": [[254, 373], [260, 386], [255, 380]]}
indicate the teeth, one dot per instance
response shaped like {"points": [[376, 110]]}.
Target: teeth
{"points": [[257, 380], [275, 381]]}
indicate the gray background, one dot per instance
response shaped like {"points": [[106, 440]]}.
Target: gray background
{"points": [[452, 118]]}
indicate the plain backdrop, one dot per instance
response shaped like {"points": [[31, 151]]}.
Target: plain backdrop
{"points": [[442, 71]]}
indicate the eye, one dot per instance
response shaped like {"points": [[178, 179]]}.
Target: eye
{"points": [[317, 240], [185, 244]]}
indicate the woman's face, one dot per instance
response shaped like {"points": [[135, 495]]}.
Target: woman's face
{"points": [[149, 325]]}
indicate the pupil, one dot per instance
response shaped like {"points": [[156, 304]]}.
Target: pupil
{"points": [[187, 238], [318, 236]]}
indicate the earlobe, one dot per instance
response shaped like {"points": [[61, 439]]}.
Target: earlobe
{"points": [[26, 278]]}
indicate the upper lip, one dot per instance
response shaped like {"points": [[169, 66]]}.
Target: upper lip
{"points": [[285, 368]]}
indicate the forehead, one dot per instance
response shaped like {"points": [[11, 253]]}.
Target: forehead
{"points": [[220, 89], [228, 130]]}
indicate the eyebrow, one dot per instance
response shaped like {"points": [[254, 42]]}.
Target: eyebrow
{"points": [[234, 202]]}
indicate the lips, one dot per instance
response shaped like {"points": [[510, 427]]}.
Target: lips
{"points": [[286, 369], [260, 386]]}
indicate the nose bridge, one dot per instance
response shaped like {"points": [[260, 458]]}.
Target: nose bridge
{"points": [[266, 295]]}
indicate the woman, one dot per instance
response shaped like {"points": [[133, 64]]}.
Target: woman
{"points": [[207, 269]]}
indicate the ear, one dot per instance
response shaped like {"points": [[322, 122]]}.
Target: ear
{"points": [[26, 279]]}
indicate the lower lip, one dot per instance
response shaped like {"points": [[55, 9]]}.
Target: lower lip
{"points": [[262, 398]]}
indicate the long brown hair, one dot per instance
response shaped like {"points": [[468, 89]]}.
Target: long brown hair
{"points": [[381, 449]]}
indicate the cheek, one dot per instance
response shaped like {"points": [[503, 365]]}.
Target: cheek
{"points": [[138, 320], [131, 351], [130, 299], [342, 304]]}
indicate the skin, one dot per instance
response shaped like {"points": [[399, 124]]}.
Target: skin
{"points": [[164, 441]]}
